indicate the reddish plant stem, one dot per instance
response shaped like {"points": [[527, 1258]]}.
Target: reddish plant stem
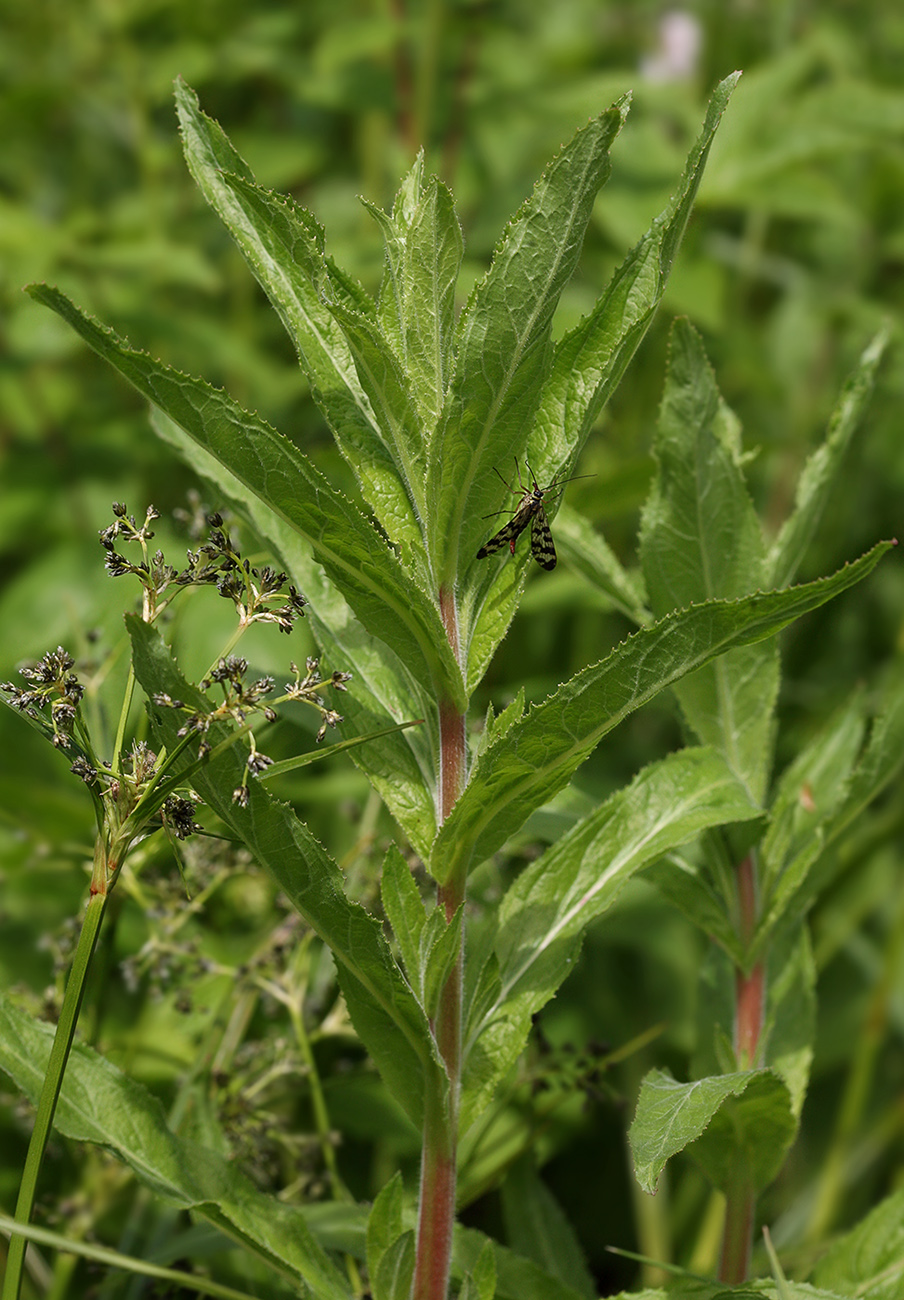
{"points": [[436, 1209], [749, 986], [452, 757], [737, 1238], [749, 997]]}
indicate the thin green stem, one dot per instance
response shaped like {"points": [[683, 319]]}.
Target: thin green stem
{"points": [[128, 695], [53, 1080], [318, 1102]]}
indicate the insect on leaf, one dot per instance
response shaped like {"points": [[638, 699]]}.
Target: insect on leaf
{"points": [[528, 511]]}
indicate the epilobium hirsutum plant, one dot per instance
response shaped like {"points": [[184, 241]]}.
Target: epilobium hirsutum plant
{"points": [[425, 404]]}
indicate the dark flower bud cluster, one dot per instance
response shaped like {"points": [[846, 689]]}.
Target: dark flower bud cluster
{"points": [[131, 795], [564, 1068], [253, 591], [139, 771], [307, 688], [84, 769], [242, 700], [178, 814], [259, 594], [245, 700], [55, 691], [52, 700], [124, 526]]}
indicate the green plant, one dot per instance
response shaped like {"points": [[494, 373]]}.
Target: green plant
{"points": [[424, 407]]}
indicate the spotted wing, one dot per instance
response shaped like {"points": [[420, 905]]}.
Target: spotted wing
{"points": [[508, 534], [541, 544]]}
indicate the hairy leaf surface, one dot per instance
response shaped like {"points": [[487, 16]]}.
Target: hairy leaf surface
{"points": [[701, 539], [367, 571], [504, 348], [546, 911], [540, 751]]}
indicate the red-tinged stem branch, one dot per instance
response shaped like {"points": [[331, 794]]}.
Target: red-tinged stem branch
{"points": [[749, 987], [436, 1210]]}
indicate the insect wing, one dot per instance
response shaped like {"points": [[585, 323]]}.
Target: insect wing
{"points": [[509, 533], [541, 544]]}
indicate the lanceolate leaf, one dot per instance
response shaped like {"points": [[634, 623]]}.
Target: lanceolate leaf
{"points": [[588, 364], [879, 764], [390, 1250], [480, 1283], [363, 566], [700, 539], [382, 1006], [579, 877], [417, 298], [591, 359], [283, 246], [538, 754], [808, 794], [821, 470], [406, 913], [517, 1278], [392, 1280], [387, 388], [689, 886], [536, 1227], [790, 1026], [100, 1104], [504, 347], [546, 911]]}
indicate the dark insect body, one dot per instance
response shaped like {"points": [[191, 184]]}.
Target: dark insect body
{"points": [[528, 511]]}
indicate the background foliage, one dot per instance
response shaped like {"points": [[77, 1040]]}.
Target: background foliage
{"points": [[792, 261]]}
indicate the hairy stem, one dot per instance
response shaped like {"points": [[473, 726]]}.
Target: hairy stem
{"points": [[436, 1209], [737, 1238], [750, 987]]}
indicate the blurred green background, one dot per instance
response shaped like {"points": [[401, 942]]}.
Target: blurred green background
{"points": [[794, 258]]}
